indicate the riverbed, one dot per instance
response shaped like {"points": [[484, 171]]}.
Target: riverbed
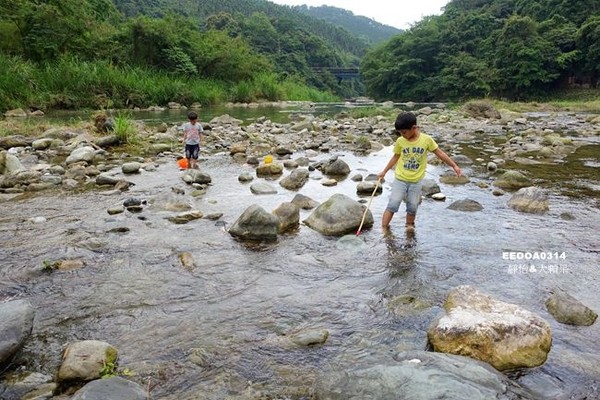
{"points": [[220, 330]]}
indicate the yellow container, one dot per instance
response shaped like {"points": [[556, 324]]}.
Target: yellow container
{"points": [[268, 159]]}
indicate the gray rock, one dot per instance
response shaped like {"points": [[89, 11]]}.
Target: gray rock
{"points": [[512, 180], [288, 215], [429, 187], [16, 322], [337, 167], [466, 205], [185, 217], [568, 310], [85, 359], [245, 177], [196, 176], [419, 375], [304, 202], [262, 188], [530, 200], [131, 167], [255, 224], [115, 388], [86, 153], [295, 180], [338, 216], [9, 163]]}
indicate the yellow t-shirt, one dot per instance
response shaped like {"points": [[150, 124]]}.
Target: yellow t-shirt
{"points": [[413, 157]]}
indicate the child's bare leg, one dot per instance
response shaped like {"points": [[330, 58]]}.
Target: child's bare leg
{"points": [[410, 220], [386, 219]]}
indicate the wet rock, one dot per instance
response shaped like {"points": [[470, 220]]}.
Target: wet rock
{"points": [[452, 179], [466, 205], [568, 310], [266, 170], [310, 337], [411, 374], [86, 153], [84, 360], [338, 216], [192, 176], [185, 217], [255, 224], [368, 187], [131, 167], [16, 323], [429, 187], [295, 180], [438, 196], [304, 202], [512, 180], [114, 388], [262, 188], [501, 334], [187, 260], [530, 200], [329, 182], [337, 167], [170, 202], [9, 164], [245, 177], [288, 215], [26, 386]]}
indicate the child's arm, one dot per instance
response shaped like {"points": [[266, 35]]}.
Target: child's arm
{"points": [[446, 158], [389, 166]]}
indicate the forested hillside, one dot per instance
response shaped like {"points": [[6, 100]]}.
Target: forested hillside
{"points": [[515, 49], [370, 30], [84, 53]]}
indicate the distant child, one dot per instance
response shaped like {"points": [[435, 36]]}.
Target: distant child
{"points": [[192, 136], [410, 159]]}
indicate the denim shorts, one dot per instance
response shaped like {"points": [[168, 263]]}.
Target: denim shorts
{"points": [[408, 192]]}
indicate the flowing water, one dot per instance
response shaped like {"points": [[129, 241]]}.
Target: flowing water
{"points": [[222, 329]]}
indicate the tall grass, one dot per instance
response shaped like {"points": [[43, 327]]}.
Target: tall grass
{"points": [[125, 129]]}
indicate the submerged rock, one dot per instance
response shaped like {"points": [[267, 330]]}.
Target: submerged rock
{"points": [[420, 375]]}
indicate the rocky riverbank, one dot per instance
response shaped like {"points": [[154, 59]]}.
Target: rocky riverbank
{"points": [[94, 243]]}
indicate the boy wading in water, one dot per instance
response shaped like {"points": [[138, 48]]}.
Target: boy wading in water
{"points": [[410, 159], [192, 136]]}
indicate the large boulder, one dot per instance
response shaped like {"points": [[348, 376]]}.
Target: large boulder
{"points": [[420, 375], [16, 322], [338, 216], [530, 200], [501, 334], [255, 224]]}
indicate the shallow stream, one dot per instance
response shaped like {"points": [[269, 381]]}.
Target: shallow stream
{"points": [[221, 330]]}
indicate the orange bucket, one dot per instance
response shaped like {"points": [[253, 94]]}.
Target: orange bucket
{"points": [[183, 163]]}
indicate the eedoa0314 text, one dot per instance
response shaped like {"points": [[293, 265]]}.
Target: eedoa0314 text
{"points": [[533, 255]]}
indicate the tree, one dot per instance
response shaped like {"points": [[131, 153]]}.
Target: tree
{"points": [[525, 60]]}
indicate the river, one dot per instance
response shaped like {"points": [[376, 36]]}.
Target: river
{"points": [[220, 331]]}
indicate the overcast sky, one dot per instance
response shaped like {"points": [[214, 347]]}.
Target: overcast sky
{"points": [[397, 13]]}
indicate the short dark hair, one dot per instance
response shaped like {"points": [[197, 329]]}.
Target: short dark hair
{"points": [[405, 120], [192, 115]]}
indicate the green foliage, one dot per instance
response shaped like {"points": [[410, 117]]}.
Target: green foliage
{"points": [[125, 129], [515, 49]]}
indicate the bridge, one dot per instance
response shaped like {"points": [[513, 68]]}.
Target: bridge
{"points": [[340, 73]]}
